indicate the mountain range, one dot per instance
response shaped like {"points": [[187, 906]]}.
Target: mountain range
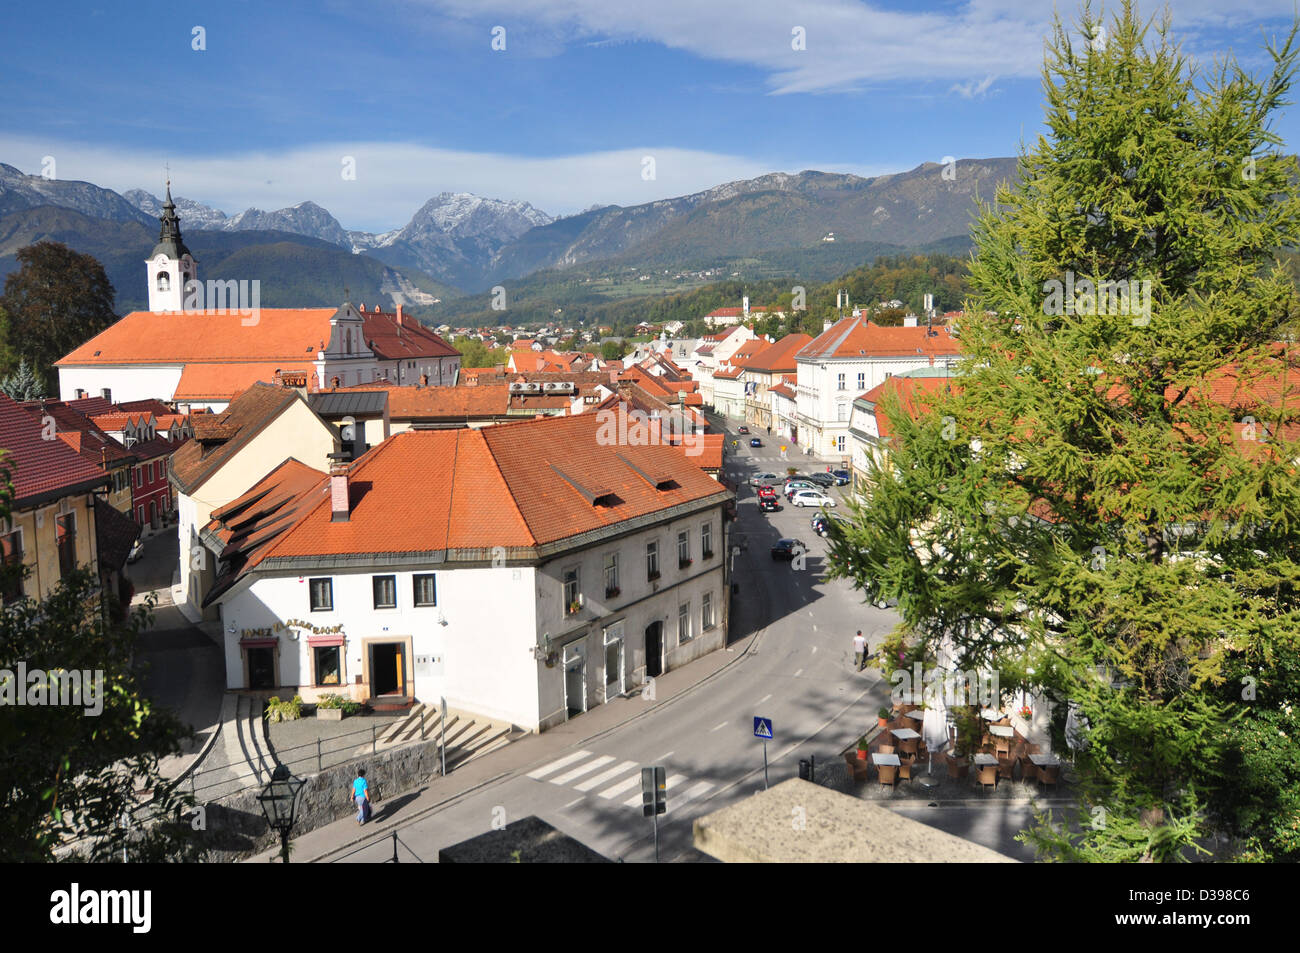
{"points": [[462, 243]]}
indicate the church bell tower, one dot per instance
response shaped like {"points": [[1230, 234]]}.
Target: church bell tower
{"points": [[170, 264]]}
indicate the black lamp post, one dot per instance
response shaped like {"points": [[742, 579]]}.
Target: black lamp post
{"points": [[279, 803]]}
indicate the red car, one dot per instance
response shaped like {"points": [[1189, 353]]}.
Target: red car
{"points": [[767, 492]]}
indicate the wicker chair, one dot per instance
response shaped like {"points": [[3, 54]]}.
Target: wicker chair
{"points": [[905, 769], [1002, 748], [857, 766], [908, 747], [1048, 774], [957, 769], [988, 776], [886, 749], [1006, 769], [886, 774], [1028, 770]]}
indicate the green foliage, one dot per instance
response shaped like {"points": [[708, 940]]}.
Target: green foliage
{"points": [[56, 301], [1079, 514], [474, 353], [335, 701], [70, 776], [613, 350], [278, 710], [23, 384]]}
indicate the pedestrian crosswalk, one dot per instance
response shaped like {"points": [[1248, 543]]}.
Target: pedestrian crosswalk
{"points": [[581, 771]]}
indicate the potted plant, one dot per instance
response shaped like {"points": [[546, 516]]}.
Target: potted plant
{"points": [[862, 748], [1026, 712], [882, 717], [574, 606], [334, 707], [277, 710]]}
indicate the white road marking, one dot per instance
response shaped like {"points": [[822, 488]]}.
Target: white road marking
{"points": [[582, 769], [622, 786], [764, 698], [814, 647], [663, 757], [604, 776], [557, 765], [715, 728], [671, 783], [702, 788], [573, 802], [798, 673]]}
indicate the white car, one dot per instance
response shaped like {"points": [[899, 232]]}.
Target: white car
{"points": [[794, 486], [137, 550], [811, 498]]}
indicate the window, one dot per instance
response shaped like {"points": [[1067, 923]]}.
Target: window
{"points": [[862, 380], [426, 592], [706, 540], [652, 560], [164, 281], [150, 479], [322, 595], [572, 591], [81, 393], [385, 588], [840, 380], [839, 444], [65, 534], [842, 411], [684, 549], [329, 665], [683, 623], [706, 611], [11, 551], [611, 575]]}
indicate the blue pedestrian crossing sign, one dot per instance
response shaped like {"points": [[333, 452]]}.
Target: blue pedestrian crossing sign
{"points": [[763, 728]]}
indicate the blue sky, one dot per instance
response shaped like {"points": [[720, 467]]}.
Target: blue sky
{"points": [[563, 117]]}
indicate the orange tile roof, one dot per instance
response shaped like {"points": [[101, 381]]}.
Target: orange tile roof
{"points": [[911, 390], [519, 486], [775, 357], [218, 437], [147, 337], [225, 381], [861, 337]]}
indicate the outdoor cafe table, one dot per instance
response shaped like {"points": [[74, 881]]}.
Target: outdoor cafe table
{"points": [[988, 714], [886, 759], [983, 760], [1002, 731], [903, 734], [1043, 760]]}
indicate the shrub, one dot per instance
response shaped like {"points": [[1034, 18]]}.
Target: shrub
{"points": [[277, 710]]}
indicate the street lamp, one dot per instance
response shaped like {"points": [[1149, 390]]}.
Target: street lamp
{"points": [[279, 802]]}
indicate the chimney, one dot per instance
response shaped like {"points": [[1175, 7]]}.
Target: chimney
{"points": [[399, 319], [340, 508]]}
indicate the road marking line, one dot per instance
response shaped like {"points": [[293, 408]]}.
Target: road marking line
{"points": [[604, 776], [622, 786], [573, 802], [582, 769], [814, 647], [798, 673], [663, 757], [557, 765], [723, 725], [671, 783], [764, 698], [702, 788]]}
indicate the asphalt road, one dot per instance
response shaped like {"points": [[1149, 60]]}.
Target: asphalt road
{"points": [[799, 673]]}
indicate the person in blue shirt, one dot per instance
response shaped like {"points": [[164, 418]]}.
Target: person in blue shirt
{"points": [[361, 794]]}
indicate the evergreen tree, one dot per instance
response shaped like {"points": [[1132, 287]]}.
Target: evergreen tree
{"points": [[1097, 509], [23, 384]]}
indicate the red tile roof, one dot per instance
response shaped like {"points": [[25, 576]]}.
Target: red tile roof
{"points": [[772, 358], [913, 392], [39, 468], [218, 437]]}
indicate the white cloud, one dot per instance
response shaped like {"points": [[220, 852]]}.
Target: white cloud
{"points": [[848, 43], [973, 89], [395, 179]]}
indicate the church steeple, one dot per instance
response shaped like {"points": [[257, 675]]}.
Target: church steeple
{"points": [[170, 265]]}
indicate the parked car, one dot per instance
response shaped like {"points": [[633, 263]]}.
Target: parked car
{"points": [[764, 479], [743, 431], [842, 477], [794, 486], [767, 492], [811, 498], [822, 479], [768, 504], [137, 550], [822, 522], [755, 442], [788, 549]]}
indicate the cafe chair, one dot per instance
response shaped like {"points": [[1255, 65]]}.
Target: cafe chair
{"points": [[1028, 770], [887, 774], [1006, 768], [887, 749], [957, 769], [1047, 775], [988, 776], [905, 770]]}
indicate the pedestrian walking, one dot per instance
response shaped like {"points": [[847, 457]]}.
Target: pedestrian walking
{"points": [[859, 650], [361, 795]]}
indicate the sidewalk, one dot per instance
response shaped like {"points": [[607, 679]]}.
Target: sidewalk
{"points": [[513, 759]]}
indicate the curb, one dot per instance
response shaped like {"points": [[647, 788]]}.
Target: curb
{"points": [[433, 808]]}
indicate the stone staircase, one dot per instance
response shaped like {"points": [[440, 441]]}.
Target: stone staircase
{"points": [[467, 735]]}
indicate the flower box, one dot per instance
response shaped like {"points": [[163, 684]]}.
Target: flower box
{"points": [[329, 714], [611, 593], [708, 554], [683, 563]]}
